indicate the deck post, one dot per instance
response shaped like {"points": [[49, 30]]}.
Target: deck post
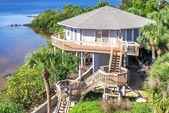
{"points": [[93, 62], [125, 60], [119, 95], [123, 90], [81, 65]]}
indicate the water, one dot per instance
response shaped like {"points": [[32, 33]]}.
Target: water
{"points": [[17, 42]]}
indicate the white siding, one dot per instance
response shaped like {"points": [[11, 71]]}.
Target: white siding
{"points": [[67, 34], [90, 35]]}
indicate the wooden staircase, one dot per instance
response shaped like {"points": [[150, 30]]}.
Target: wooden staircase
{"points": [[64, 106], [115, 61]]}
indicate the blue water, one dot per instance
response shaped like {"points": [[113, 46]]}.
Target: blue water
{"points": [[17, 42], [36, 6]]}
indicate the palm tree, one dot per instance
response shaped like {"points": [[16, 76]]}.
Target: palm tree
{"points": [[47, 87]]}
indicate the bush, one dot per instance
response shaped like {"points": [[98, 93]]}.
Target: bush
{"points": [[141, 108], [25, 86], [10, 107], [95, 107], [113, 105], [87, 107]]}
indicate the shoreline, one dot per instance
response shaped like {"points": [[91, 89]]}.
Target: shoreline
{"points": [[3, 81]]}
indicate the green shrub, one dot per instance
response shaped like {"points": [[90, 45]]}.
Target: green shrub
{"points": [[87, 107], [159, 82], [10, 107], [141, 108], [25, 86], [95, 107]]}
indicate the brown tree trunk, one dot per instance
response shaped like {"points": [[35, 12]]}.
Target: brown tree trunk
{"points": [[47, 87]]}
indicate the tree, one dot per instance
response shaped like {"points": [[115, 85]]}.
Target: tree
{"points": [[155, 36], [159, 84], [143, 7], [47, 87], [25, 87], [58, 63]]}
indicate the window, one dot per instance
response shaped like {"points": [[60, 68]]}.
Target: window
{"points": [[102, 35]]}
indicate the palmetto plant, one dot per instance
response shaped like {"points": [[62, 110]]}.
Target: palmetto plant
{"points": [[58, 63], [160, 90], [156, 35]]}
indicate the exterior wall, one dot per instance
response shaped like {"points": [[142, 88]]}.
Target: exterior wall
{"points": [[100, 60], [90, 35], [72, 34]]}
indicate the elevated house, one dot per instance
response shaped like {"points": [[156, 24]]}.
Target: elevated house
{"points": [[99, 31], [103, 38]]}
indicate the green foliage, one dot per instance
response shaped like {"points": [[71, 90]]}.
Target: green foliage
{"points": [[58, 63], [141, 108], [10, 107], [159, 83], [87, 107], [25, 86], [95, 107], [47, 21], [143, 7]]}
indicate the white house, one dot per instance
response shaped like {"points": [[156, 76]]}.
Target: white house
{"points": [[97, 31]]}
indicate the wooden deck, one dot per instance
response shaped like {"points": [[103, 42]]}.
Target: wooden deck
{"points": [[96, 47]]}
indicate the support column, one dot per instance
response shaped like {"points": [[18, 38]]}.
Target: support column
{"points": [[123, 91], [125, 60], [81, 65], [62, 56], [119, 95], [93, 62]]}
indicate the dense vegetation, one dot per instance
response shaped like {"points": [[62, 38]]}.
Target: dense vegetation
{"points": [[26, 88], [159, 84], [7, 106], [96, 107], [156, 38]]}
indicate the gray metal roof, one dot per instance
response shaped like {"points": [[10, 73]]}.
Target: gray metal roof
{"points": [[106, 18]]}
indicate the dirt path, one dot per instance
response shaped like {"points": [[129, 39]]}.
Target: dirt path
{"points": [[2, 83]]}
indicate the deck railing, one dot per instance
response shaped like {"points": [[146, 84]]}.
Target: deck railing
{"points": [[131, 48]]}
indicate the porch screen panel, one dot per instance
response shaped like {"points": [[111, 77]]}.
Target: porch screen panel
{"points": [[136, 34], [98, 36], [105, 35], [123, 34], [129, 35]]}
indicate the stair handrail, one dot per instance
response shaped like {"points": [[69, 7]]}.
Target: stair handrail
{"points": [[59, 97], [87, 73]]}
